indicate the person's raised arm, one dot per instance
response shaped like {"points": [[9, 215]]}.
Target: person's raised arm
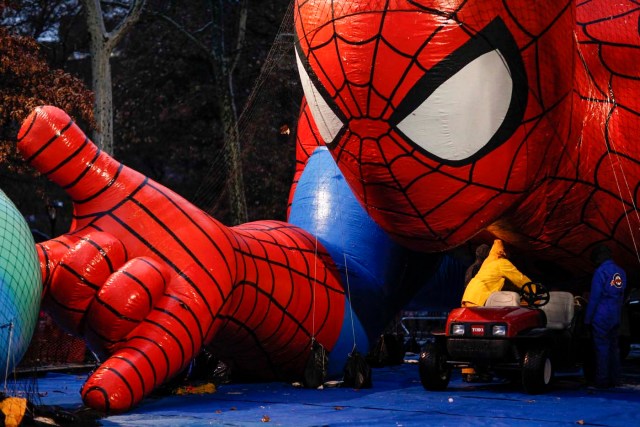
{"points": [[512, 274]]}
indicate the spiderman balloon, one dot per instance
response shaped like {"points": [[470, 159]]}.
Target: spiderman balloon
{"points": [[425, 123]]}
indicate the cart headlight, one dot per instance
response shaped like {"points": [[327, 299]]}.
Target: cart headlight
{"points": [[499, 330], [457, 329]]}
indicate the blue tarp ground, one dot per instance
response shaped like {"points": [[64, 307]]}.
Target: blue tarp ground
{"points": [[396, 399]]}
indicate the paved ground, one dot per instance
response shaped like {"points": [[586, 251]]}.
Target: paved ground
{"points": [[396, 399]]}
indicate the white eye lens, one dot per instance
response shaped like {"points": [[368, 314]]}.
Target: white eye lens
{"points": [[463, 113], [329, 124]]}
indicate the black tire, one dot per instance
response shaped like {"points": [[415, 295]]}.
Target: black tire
{"points": [[435, 373], [537, 371]]}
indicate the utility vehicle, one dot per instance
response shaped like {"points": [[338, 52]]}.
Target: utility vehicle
{"points": [[524, 336]]}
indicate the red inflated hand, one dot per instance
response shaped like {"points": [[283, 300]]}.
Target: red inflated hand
{"points": [[148, 278]]}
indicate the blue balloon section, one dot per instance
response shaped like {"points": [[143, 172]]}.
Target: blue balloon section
{"points": [[380, 276], [20, 286]]}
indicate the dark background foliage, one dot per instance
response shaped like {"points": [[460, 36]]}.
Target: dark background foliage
{"points": [[166, 122]]}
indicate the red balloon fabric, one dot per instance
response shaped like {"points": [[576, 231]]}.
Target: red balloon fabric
{"points": [[446, 118], [449, 118], [149, 279]]}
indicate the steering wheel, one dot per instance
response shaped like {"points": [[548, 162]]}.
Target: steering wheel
{"points": [[534, 294]]}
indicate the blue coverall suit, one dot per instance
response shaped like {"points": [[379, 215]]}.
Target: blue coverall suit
{"points": [[603, 314]]}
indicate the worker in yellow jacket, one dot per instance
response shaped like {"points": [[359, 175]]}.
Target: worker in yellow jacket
{"points": [[493, 273]]}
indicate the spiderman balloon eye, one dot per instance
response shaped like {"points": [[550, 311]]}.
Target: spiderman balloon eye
{"points": [[468, 104], [462, 115], [327, 120]]}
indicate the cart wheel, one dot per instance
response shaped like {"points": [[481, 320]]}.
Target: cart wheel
{"points": [[435, 373], [537, 371]]}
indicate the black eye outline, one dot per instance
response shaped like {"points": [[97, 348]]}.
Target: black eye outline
{"points": [[315, 81], [495, 36]]}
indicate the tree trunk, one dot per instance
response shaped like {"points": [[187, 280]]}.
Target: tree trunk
{"points": [[222, 67], [101, 83], [230, 120], [223, 64], [232, 149], [102, 45]]}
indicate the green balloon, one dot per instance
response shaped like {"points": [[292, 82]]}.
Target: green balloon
{"points": [[20, 286]]}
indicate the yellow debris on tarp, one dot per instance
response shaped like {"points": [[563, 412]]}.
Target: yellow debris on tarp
{"points": [[201, 389], [13, 409]]}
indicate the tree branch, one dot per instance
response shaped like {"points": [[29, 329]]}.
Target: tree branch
{"points": [[203, 28], [116, 4], [95, 22], [242, 31], [187, 34], [132, 16]]}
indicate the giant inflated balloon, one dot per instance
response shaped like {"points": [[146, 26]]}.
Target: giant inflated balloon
{"points": [[450, 117], [441, 120], [20, 286], [149, 279]]}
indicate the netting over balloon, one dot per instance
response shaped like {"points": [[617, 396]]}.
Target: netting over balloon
{"points": [[20, 286], [451, 118]]}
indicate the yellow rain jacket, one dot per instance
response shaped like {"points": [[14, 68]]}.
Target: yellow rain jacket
{"points": [[491, 277]]}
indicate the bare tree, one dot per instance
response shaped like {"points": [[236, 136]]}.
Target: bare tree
{"points": [[223, 59], [102, 44]]}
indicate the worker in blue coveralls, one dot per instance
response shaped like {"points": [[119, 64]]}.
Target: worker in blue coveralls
{"points": [[603, 315]]}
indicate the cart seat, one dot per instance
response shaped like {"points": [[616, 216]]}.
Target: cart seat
{"points": [[503, 299], [559, 310]]}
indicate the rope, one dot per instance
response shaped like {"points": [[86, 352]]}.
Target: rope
{"points": [[346, 267], [313, 287], [629, 193], [353, 328], [212, 191], [624, 210], [612, 102], [6, 371]]}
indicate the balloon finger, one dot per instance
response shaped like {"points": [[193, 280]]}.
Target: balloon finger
{"points": [[158, 349], [78, 277], [126, 298]]}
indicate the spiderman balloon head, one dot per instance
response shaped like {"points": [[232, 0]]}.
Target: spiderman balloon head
{"points": [[442, 115]]}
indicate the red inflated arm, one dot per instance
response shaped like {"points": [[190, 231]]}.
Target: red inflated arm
{"points": [[149, 279]]}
